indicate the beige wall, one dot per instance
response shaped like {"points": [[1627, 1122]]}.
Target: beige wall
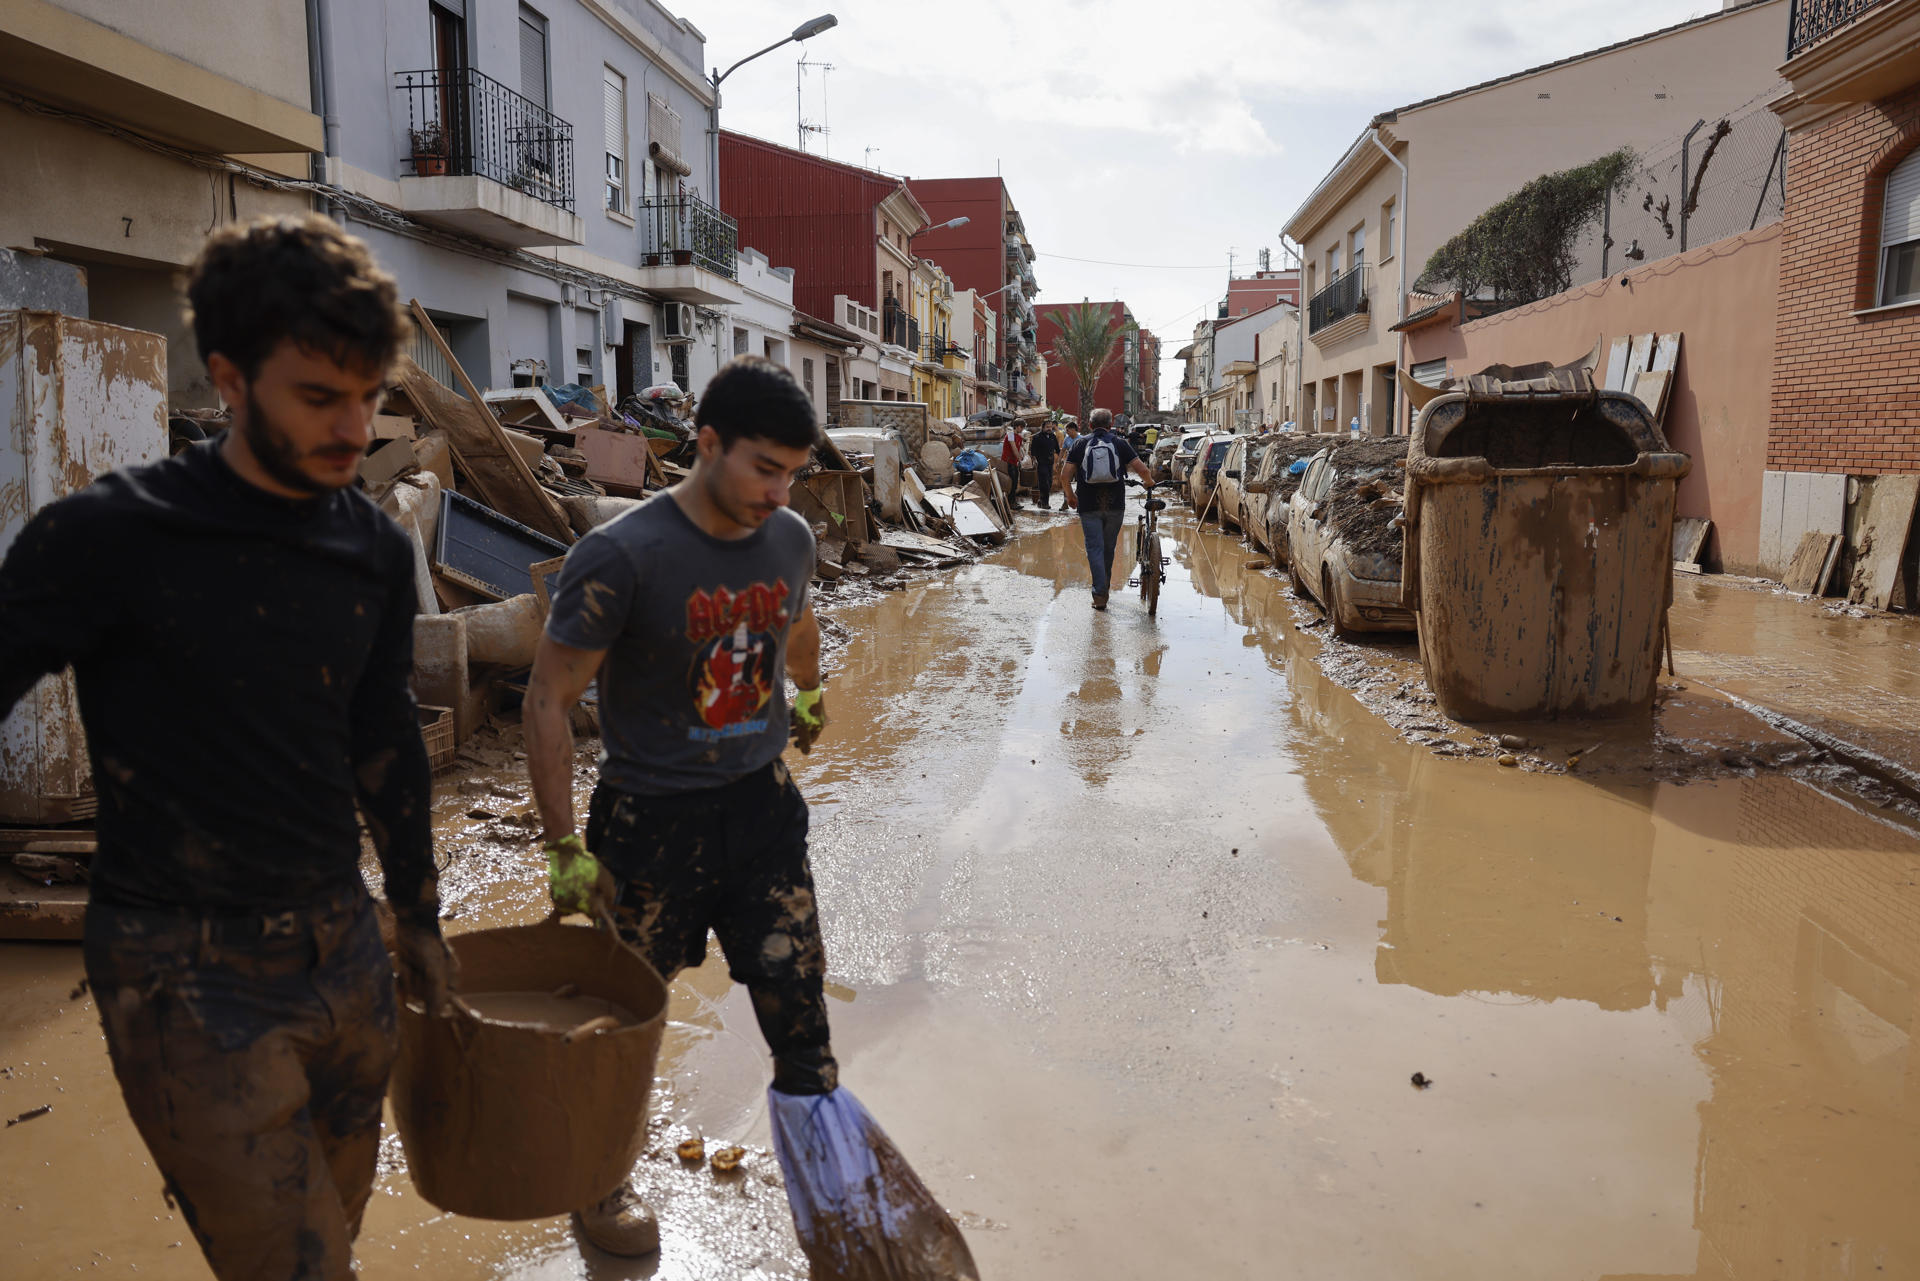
{"points": [[132, 217], [1721, 298], [261, 44], [1468, 152], [1471, 151]]}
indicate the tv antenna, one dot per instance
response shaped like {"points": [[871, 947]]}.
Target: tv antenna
{"points": [[802, 125], [867, 160], [1266, 260]]}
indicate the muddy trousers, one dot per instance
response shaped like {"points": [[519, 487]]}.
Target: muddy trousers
{"points": [[1043, 482], [731, 859], [1102, 533], [253, 1053]]}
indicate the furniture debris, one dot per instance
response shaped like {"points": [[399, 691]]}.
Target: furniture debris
{"points": [[1882, 539], [1812, 564], [481, 549]]}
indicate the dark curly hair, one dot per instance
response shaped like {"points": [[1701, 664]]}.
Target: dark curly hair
{"points": [[257, 283], [753, 398]]}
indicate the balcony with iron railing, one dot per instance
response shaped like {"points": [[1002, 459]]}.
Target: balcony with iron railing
{"points": [[1344, 297], [1811, 21], [689, 251], [484, 160]]}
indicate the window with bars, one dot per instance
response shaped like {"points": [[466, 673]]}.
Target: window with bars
{"points": [[1900, 235], [614, 93]]}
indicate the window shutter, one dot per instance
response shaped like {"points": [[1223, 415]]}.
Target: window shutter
{"points": [[533, 60], [663, 137], [616, 115], [1900, 222]]}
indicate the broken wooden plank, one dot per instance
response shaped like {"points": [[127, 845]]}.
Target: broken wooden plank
{"points": [[1666, 354], [1690, 539], [1617, 364], [1650, 386], [495, 467], [1639, 355], [1882, 539], [1809, 563]]}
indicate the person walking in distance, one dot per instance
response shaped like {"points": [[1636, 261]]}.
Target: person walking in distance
{"points": [[693, 610], [1045, 449], [240, 625], [1096, 469]]}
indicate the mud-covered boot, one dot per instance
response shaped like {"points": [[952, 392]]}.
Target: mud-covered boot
{"points": [[620, 1223]]}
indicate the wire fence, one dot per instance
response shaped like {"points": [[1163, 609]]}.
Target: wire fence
{"points": [[1716, 179]]}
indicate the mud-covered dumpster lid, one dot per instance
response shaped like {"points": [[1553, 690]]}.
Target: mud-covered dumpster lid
{"points": [[1555, 422]]}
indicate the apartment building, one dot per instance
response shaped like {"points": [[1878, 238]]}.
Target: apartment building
{"points": [[546, 160], [1420, 173], [989, 254], [847, 232], [118, 123], [1847, 337], [1261, 290]]}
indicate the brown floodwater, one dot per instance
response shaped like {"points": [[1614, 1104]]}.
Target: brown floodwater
{"points": [[1139, 930]]}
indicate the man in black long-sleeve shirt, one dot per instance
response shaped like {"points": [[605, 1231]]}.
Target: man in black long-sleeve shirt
{"points": [[239, 622]]}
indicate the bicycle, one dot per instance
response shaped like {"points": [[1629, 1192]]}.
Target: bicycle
{"points": [[1146, 550]]}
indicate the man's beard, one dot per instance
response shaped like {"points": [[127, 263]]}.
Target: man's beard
{"points": [[276, 453]]}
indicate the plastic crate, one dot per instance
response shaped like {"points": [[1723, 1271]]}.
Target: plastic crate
{"points": [[436, 730]]}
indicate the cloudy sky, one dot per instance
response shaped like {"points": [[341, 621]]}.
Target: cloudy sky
{"points": [[1150, 138]]}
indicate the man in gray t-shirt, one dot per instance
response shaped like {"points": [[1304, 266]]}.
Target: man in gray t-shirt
{"points": [[693, 611]]}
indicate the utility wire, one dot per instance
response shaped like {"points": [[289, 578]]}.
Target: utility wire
{"points": [[1149, 266]]}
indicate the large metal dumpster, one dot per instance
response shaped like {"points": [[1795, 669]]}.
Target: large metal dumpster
{"points": [[1539, 531]]}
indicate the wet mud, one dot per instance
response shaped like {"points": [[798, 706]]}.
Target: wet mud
{"points": [[1137, 931]]}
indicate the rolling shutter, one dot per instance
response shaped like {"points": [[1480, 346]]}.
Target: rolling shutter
{"points": [[616, 115], [663, 136], [533, 58], [1900, 221]]}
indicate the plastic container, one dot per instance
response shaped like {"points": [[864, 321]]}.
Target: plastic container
{"points": [[504, 1121], [1539, 536]]}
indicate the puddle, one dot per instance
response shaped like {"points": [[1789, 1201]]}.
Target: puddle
{"points": [[1139, 930]]}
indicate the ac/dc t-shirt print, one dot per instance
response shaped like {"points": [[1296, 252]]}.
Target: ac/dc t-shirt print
{"points": [[693, 688]]}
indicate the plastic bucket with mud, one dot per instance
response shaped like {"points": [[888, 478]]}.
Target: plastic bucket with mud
{"points": [[531, 1099]]}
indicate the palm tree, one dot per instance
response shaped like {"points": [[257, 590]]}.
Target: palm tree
{"points": [[1087, 343]]}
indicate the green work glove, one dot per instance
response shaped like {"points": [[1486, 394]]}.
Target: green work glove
{"points": [[809, 718], [576, 880]]}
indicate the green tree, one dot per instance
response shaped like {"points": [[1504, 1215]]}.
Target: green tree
{"points": [[1526, 247], [1087, 344]]}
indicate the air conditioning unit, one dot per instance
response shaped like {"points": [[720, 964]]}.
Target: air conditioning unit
{"points": [[676, 321]]}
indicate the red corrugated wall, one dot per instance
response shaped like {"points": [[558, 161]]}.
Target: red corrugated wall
{"points": [[806, 212], [975, 255]]}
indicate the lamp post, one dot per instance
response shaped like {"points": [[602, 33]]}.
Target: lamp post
{"points": [[805, 31], [961, 221]]}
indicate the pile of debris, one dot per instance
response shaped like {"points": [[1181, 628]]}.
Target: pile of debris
{"points": [[1288, 448], [494, 486], [1369, 492]]}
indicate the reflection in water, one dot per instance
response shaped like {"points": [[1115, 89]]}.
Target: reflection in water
{"points": [[1788, 916]]}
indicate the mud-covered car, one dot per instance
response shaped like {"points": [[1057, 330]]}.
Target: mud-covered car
{"points": [[1344, 535], [1161, 462], [1270, 489], [1203, 473], [1185, 448], [1244, 461]]}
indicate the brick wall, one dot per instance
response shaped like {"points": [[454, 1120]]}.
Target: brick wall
{"points": [[1846, 388]]}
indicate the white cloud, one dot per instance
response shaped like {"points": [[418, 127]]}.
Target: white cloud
{"points": [[1132, 131]]}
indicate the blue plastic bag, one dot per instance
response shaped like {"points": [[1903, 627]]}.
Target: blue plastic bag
{"points": [[970, 460], [860, 1211]]}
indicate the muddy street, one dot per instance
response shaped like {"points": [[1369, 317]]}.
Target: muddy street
{"points": [[1140, 932]]}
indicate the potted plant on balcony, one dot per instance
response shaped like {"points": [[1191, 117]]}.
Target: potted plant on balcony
{"points": [[429, 150]]}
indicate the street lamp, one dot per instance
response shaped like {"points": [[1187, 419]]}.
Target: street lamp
{"points": [[805, 31], [961, 221]]}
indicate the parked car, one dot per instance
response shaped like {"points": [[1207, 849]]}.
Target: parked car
{"points": [[1161, 463], [1243, 463], [1203, 474], [1344, 547], [1270, 489], [1187, 444]]}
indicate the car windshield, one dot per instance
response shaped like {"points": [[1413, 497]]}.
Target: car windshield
{"points": [[1218, 452]]}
